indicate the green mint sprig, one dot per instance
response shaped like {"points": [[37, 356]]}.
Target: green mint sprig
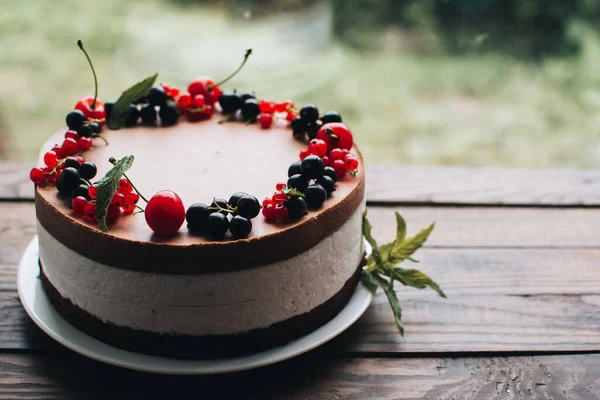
{"points": [[122, 109], [382, 270], [107, 186]]}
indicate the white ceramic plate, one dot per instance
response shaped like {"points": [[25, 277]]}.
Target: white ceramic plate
{"points": [[47, 318]]}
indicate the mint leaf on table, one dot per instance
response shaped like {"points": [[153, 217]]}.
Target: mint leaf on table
{"points": [[122, 108], [382, 270], [107, 186]]}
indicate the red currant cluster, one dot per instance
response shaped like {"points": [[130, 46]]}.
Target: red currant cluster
{"points": [[194, 106], [123, 202], [273, 208], [271, 112]]}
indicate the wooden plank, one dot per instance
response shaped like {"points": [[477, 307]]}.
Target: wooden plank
{"points": [[64, 375], [485, 186], [426, 185]]}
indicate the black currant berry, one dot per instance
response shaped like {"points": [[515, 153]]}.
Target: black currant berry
{"points": [[148, 114], [296, 207], [240, 227], [299, 126], [81, 190], [230, 102], [250, 110], [233, 200], [330, 172], [197, 217], [312, 129], [169, 113], [134, 115], [294, 169], [297, 182], [157, 96], [331, 116], [248, 206], [75, 119], [309, 113], [88, 170], [108, 107], [216, 225], [315, 196], [84, 130], [312, 167], [246, 96], [69, 180], [72, 162], [327, 183], [220, 203]]}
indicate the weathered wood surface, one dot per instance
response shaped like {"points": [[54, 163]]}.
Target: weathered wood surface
{"points": [[426, 185], [66, 375]]}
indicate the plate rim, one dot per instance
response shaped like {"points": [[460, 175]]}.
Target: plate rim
{"points": [[105, 353]]}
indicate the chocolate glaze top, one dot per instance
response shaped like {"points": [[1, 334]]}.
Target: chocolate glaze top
{"points": [[198, 161]]}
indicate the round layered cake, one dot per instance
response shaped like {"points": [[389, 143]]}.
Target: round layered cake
{"points": [[189, 294]]}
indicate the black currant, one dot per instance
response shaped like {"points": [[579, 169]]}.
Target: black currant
{"points": [[250, 110], [169, 113], [233, 200], [221, 203], [84, 130], [299, 126], [95, 127], [134, 115], [315, 196], [108, 107], [197, 217], [330, 172], [157, 96], [312, 129], [327, 183], [230, 102], [75, 119], [69, 180], [81, 190], [297, 182], [240, 227], [72, 162], [312, 167], [248, 206], [331, 116], [309, 113], [216, 225], [148, 114], [294, 169], [296, 207], [246, 96], [88, 170]]}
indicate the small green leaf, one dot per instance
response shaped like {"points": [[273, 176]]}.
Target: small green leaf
{"points": [[407, 247], [107, 186], [388, 288], [121, 109], [417, 279], [375, 254], [293, 192], [400, 228]]}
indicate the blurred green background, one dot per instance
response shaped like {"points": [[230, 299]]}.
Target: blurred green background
{"points": [[439, 82]]}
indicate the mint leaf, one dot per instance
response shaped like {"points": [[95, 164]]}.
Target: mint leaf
{"points": [[400, 228], [121, 109], [375, 254], [388, 288], [417, 279], [400, 251], [107, 186]]}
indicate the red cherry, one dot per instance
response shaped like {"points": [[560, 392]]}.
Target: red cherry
{"points": [[85, 143], [59, 151], [50, 159], [37, 176], [304, 154], [93, 191], [165, 213], [70, 147], [85, 106], [184, 100], [317, 147], [336, 135], [340, 167], [78, 204], [71, 134], [266, 107], [90, 212], [265, 120], [113, 214], [203, 85], [124, 186]]}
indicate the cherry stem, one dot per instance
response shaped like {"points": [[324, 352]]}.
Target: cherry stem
{"points": [[80, 44], [100, 137], [248, 52], [114, 161], [330, 133]]}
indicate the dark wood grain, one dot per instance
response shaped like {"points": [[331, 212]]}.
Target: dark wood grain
{"points": [[426, 185], [313, 376]]}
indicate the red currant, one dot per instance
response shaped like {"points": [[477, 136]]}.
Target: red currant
{"points": [[304, 154], [78, 204], [326, 161], [351, 163], [80, 159], [267, 201], [279, 198], [204, 85], [265, 120], [118, 200], [71, 134], [37, 176], [185, 100], [199, 101], [165, 213], [59, 151], [124, 186], [128, 208], [317, 147], [336, 154], [112, 215], [345, 152], [70, 147], [280, 212], [283, 106], [290, 116], [51, 177], [208, 112], [340, 167], [280, 186], [267, 211], [132, 198], [90, 212], [336, 135], [50, 159], [93, 191], [84, 143], [266, 107]]}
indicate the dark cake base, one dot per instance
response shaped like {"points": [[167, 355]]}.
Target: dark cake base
{"points": [[208, 346]]}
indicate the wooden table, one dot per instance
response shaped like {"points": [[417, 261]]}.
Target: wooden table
{"points": [[516, 251]]}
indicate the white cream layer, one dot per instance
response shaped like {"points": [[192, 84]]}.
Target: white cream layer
{"points": [[217, 303]]}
